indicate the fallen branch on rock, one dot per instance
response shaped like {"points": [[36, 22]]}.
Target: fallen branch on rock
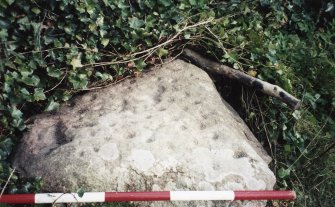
{"points": [[263, 86]]}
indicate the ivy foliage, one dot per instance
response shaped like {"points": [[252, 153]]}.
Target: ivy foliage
{"points": [[50, 50]]}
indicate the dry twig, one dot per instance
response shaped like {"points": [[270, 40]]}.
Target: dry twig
{"points": [[4, 187]]}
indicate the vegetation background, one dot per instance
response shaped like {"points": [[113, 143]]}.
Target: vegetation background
{"points": [[51, 50]]}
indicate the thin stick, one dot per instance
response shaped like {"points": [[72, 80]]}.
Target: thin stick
{"points": [[265, 129], [57, 83], [4, 187], [316, 135], [175, 36], [105, 86]]}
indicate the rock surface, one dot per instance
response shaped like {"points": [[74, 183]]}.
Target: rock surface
{"points": [[168, 130]]}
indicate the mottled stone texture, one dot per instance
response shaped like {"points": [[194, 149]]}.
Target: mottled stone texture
{"points": [[167, 130]]}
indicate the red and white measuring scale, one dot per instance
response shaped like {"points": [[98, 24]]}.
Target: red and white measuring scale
{"points": [[145, 196]]}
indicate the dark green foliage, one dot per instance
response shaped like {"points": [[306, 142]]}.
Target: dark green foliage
{"points": [[50, 50]]}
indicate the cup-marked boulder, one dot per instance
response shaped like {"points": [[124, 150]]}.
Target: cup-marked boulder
{"points": [[167, 130]]}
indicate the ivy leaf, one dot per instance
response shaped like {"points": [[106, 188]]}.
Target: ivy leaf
{"points": [[3, 33], [36, 10], [17, 121], [52, 4], [135, 23], [252, 73], [104, 76], [39, 94], [6, 145], [19, 124], [104, 41], [162, 52], [76, 62], [100, 21], [193, 2], [11, 65], [287, 148], [102, 32], [16, 113], [25, 94], [140, 64], [4, 24], [52, 106], [80, 192], [296, 114], [187, 36], [282, 173], [231, 57], [53, 72], [165, 3], [92, 27], [10, 2], [31, 81], [78, 81]]}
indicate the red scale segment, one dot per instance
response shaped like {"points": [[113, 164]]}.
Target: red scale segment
{"points": [[265, 195], [18, 199]]}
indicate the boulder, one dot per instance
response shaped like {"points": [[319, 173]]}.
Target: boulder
{"points": [[167, 130]]}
